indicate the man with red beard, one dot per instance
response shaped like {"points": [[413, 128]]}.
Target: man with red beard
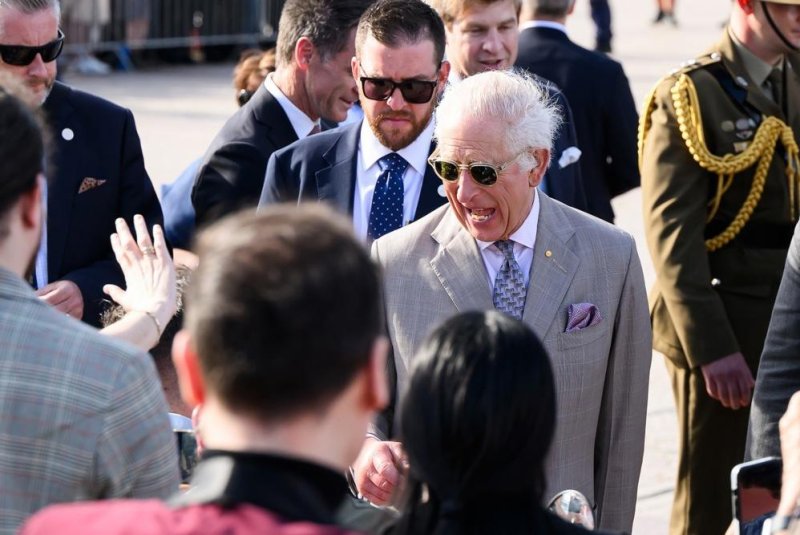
{"points": [[376, 170]]}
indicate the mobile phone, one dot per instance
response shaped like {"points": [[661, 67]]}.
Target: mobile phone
{"points": [[756, 488]]}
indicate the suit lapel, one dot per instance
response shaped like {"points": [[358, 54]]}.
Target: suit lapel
{"points": [[459, 266], [336, 183], [551, 274], [429, 197], [65, 179]]}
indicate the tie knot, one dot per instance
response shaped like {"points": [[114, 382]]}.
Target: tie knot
{"points": [[506, 247], [776, 84], [393, 162]]}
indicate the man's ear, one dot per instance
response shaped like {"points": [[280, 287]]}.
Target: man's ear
{"points": [[303, 52], [535, 175], [187, 367], [444, 72], [30, 203], [377, 391], [354, 67]]}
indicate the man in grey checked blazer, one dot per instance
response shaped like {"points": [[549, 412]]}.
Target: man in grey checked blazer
{"points": [[585, 295], [83, 415]]}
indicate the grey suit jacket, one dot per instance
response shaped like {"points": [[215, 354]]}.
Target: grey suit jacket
{"points": [[433, 270], [84, 415], [779, 370]]}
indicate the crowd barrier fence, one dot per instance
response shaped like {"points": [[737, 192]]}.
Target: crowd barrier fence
{"points": [[121, 26]]}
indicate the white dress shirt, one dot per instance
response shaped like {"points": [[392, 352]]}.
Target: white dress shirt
{"points": [[524, 239], [542, 24], [301, 122], [370, 150]]}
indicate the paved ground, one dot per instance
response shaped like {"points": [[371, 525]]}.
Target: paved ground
{"points": [[179, 109]]}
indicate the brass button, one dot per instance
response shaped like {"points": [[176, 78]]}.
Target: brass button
{"points": [[548, 253]]}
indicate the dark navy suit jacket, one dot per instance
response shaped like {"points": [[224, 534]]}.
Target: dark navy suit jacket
{"points": [[92, 139], [232, 172], [605, 115], [323, 167], [564, 183]]}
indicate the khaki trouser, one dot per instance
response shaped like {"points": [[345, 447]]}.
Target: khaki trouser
{"points": [[711, 442]]}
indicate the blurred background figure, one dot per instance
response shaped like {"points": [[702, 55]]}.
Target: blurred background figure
{"points": [[666, 12], [83, 22], [476, 459], [604, 115], [601, 15], [249, 73]]}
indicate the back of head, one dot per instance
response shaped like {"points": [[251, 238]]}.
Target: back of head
{"points": [[450, 10], [556, 9], [511, 98], [327, 23], [477, 420], [397, 22], [22, 148], [283, 310]]}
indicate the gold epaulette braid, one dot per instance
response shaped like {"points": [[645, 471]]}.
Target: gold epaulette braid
{"points": [[761, 149]]}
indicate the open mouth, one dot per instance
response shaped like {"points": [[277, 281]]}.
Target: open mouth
{"points": [[493, 64], [480, 215]]}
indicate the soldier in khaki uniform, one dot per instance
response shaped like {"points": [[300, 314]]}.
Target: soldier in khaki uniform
{"points": [[718, 159]]}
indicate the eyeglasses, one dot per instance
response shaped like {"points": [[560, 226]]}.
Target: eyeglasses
{"points": [[483, 173], [21, 55], [413, 91]]}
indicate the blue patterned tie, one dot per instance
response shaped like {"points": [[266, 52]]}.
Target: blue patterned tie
{"points": [[509, 286], [386, 213]]}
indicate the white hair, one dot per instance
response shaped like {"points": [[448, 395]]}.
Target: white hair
{"points": [[514, 98]]}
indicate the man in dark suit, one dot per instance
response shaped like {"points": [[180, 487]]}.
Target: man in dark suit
{"points": [[380, 162], [597, 89], [278, 439], [311, 81], [482, 35], [98, 170]]}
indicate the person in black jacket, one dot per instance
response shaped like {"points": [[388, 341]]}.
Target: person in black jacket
{"points": [[477, 422], [605, 115]]}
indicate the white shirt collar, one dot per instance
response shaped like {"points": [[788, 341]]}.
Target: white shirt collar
{"points": [[542, 24], [416, 154], [301, 123], [526, 233]]}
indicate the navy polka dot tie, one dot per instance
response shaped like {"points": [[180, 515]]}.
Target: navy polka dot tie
{"points": [[386, 213]]}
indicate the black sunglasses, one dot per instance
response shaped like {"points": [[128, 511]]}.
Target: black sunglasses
{"points": [[21, 55], [483, 173], [413, 91]]}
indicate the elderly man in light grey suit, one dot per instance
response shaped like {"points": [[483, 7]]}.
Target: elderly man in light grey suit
{"points": [[574, 279]]}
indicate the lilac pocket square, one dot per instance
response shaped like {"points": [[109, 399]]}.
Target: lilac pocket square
{"points": [[582, 315]]}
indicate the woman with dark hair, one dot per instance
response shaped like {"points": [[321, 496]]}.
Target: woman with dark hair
{"points": [[477, 422]]}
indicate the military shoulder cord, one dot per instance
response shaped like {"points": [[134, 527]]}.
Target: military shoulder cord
{"points": [[762, 148]]}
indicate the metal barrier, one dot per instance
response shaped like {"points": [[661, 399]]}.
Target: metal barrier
{"points": [[123, 25]]}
